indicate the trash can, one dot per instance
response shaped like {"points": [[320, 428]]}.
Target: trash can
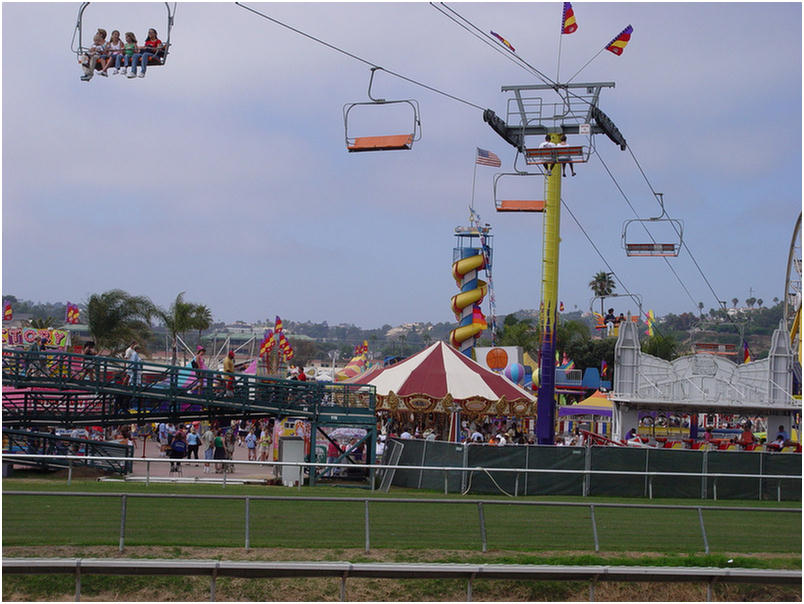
{"points": [[291, 448]]}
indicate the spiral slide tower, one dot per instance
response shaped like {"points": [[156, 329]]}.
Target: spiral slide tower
{"points": [[468, 260]]}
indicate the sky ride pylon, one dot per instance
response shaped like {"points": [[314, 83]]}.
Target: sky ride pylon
{"points": [[527, 117]]}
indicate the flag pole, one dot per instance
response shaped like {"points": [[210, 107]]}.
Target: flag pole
{"points": [[474, 178], [587, 64], [558, 66]]}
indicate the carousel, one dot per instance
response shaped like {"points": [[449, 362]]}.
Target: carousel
{"points": [[439, 385]]}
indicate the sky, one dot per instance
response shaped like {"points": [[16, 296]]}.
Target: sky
{"points": [[224, 174]]}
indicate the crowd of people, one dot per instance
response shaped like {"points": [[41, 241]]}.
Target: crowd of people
{"points": [[213, 444], [123, 56]]}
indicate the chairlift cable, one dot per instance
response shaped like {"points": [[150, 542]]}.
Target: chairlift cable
{"points": [[357, 58], [720, 302], [489, 41], [628, 201]]}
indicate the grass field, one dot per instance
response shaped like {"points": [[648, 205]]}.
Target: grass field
{"points": [[87, 521]]}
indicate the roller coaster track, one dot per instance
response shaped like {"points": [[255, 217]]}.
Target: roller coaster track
{"points": [[73, 389]]}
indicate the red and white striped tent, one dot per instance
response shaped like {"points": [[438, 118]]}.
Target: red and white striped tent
{"points": [[441, 379]]}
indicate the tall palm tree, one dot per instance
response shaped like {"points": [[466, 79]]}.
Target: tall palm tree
{"points": [[178, 319], [201, 318], [734, 302], [45, 323], [116, 318], [602, 285], [760, 302], [700, 308]]}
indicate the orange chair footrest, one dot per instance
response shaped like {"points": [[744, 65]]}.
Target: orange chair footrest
{"points": [[382, 143], [520, 205]]}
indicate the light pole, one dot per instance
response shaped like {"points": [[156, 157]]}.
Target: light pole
{"points": [[333, 354]]}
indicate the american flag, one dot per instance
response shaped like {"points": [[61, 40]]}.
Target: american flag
{"points": [[487, 158]]}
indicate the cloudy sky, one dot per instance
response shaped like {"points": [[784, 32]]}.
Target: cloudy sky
{"points": [[224, 174]]}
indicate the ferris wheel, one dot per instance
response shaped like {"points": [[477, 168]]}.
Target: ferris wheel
{"points": [[792, 290]]}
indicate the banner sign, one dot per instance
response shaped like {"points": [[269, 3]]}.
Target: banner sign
{"points": [[25, 336]]}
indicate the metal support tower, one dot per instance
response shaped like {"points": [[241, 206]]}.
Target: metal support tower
{"points": [[576, 113]]}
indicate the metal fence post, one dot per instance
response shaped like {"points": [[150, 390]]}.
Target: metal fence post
{"points": [[594, 526], [248, 523], [343, 587], [122, 521], [446, 478], [469, 587], [78, 580], [368, 528], [147, 473], [587, 465], [69, 472], [212, 582], [482, 527], [703, 531], [224, 474]]}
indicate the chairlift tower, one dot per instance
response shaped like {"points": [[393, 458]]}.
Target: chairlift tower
{"points": [[529, 118]]}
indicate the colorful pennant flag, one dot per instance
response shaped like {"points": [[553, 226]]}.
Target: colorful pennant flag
{"points": [[746, 353], [71, 314], [504, 41], [278, 326], [487, 158], [618, 44], [8, 313], [267, 344], [604, 368], [568, 24], [561, 307], [650, 321]]}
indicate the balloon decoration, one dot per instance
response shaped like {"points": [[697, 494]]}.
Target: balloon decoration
{"points": [[515, 372]]}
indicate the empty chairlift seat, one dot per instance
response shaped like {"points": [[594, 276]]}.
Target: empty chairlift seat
{"points": [[503, 204], [380, 143], [387, 142]]}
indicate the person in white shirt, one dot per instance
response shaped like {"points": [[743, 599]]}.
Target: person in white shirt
{"points": [[547, 144], [501, 442], [563, 143]]}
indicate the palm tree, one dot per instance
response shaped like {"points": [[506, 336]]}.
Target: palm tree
{"points": [[750, 302], [760, 302], [700, 308], [734, 302], [116, 318], [45, 323], [178, 319], [602, 285], [775, 300], [202, 319]]}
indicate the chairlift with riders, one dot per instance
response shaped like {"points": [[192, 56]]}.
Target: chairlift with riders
{"points": [[160, 58]]}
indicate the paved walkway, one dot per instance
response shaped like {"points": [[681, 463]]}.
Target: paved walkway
{"points": [[193, 468]]}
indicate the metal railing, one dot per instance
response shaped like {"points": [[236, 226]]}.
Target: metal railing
{"points": [[105, 387], [480, 504], [345, 570], [371, 470], [103, 455]]}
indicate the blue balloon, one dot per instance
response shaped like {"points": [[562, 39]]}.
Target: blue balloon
{"points": [[515, 372]]}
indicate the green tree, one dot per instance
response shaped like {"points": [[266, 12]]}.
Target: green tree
{"points": [[734, 302], [602, 285], [45, 323], [749, 302], [662, 346], [519, 332], [201, 318], [760, 302], [181, 317], [116, 318]]}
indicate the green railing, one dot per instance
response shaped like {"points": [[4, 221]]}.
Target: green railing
{"points": [[19, 442], [63, 385]]}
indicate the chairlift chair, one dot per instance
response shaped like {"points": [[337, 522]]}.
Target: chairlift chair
{"points": [[159, 59], [386, 142], [653, 249], [515, 205]]}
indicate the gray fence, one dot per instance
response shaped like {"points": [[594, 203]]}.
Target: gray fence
{"points": [[344, 570], [508, 518], [641, 472]]}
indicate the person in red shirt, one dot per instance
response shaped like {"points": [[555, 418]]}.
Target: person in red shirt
{"points": [[153, 48]]}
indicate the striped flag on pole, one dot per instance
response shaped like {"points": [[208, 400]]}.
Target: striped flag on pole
{"points": [[487, 158]]}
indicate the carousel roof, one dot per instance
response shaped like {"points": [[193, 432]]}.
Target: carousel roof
{"points": [[440, 370]]}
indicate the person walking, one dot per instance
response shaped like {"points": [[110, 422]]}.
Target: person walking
{"points": [[208, 440], [193, 442], [220, 452]]}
